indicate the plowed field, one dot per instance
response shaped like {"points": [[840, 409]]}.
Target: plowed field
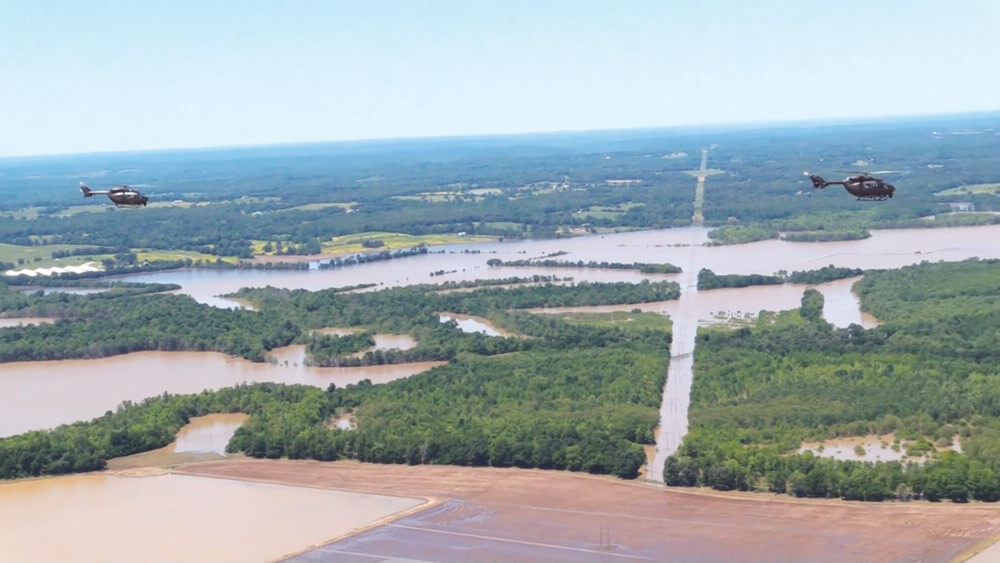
{"points": [[524, 515]]}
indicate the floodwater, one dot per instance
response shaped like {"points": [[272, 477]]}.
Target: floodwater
{"points": [[207, 434], [884, 249], [35, 395], [470, 324], [109, 517], [167, 517], [203, 438], [39, 395]]}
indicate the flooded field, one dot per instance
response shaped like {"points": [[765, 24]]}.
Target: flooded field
{"points": [[884, 249], [39, 395], [875, 448], [91, 513], [469, 323], [167, 517], [202, 438]]}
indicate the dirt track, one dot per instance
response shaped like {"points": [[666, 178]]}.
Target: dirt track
{"points": [[511, 514]]}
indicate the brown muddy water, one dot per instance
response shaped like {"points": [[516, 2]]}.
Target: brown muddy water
{"points": [[203, 438], [167, 517], [207, 434], [39, 395], [884, 249]]}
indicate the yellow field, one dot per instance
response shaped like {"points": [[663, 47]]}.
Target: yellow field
{"points": [[171, 255], [391, 241]]}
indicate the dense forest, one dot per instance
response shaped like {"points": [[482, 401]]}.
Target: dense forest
{"points": [[707, 279], [928, 374], [118, 322]]}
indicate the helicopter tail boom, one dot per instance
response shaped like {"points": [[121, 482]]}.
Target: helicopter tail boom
{"points": [[87, 192]]}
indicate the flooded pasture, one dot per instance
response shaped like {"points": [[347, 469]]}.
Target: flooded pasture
{"points": [[686, 247], [39, 395], [470, 323], [167, 517]]}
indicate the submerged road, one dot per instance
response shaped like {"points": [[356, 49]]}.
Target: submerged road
{"points": [[677, 391], [698, 219]]}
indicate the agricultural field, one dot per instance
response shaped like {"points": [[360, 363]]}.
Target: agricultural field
{"points": [[532, 515], [971, 189], [349, 244], [41, 256]]}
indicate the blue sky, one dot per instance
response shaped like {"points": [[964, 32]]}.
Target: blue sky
{"points": [[93, 76]]}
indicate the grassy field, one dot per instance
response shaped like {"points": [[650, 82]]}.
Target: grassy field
{"points": [[971, 189], [473, 195], [706, 173], [25, 213], [391, 241], [502, 225], [320, 206], [41, 256], [609, 212], [172, 255], [631, 320], [77, 209]]}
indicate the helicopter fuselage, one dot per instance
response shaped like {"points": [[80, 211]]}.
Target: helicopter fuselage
{"points": [[863, 187], [121, 195]]}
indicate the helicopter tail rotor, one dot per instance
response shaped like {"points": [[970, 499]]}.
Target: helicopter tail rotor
{"points": [[818, 181], [87, 192]]}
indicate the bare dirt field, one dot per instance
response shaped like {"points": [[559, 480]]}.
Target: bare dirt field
{"points": [[530, 515]]}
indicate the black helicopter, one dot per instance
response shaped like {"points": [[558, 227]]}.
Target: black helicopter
{"points": [[120, 195], [864, 186]]}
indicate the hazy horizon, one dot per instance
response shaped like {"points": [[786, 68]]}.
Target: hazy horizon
{"points": [[687, 128]]}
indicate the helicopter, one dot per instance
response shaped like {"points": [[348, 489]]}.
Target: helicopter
{"points": [[120, 195], [864, 186]]}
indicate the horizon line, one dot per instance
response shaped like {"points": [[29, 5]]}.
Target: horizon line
{"points": [[736, 125]]}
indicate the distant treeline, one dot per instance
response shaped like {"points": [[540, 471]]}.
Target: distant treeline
{"points": [[707, 279], [355, 259], [826, 235], [646, 268], [536, 187]]}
